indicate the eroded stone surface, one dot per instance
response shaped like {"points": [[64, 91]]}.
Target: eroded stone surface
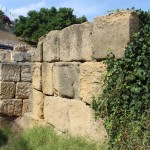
{"points": [[23, 90], [9, 72], [91, 80], [38, 53], [25, 107], [47, 78], [5, 55], [37, 98], [26, 73], [7, 89], [21, 56], [37, 76], [66, 79], [11, 107], [76, 42], [51, 46], [113, 32], [73, 116]]}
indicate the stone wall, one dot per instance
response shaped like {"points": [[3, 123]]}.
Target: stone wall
{"points": [[15, 83], [68, 70]]}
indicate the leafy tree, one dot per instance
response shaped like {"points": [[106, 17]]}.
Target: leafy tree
{"points": [[39, 23], [1, 14]]}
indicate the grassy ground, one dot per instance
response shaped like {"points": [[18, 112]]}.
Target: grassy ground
{"points": [[44, 138]]}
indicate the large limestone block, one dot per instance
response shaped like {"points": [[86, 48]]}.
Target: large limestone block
{"points": [[23, 90], [51, 46], [21, 56], [5, 55], [37, 98], [38, 53], [37, 76], [56, 112], [91, 80], [26, 72], [27, 121], [11, 107], [47, 78], [113, 32], [73, 116], [9, 72], [66, 79], [7, 89], [25, 107], [76, 42]]}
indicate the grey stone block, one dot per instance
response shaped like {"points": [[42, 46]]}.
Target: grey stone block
{"points": [[26, 72], [21, 56], [76, 42], [7, 89], [66, 79], [9, 72], [5, 55], [51, 47], [113, 32], [11, 107], [38, 53], [23, 90]]}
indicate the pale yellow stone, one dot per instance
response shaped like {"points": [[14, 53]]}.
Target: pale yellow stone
{"points": [[91, 80]]}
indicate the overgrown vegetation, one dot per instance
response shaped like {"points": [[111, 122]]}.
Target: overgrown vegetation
{"points": [[44, 138], [36, 24], [125, 102]]}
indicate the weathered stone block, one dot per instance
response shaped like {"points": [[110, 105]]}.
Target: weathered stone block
{"points": [[76, 42], [11, 107], [91, 80], [51, 46], [9, 72], [25, 107], [37, 76], [5, 55], [38, 54], [66, 79], [113, 32], [37, 104], [7, 89], [23, 89], [47, 78], [26, 73], [73, 116], [21, 56]]}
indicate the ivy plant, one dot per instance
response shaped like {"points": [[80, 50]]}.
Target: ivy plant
{"points": [[125, 101]]}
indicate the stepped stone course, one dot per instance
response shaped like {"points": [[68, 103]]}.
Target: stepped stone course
{"points": [[67, 71]]}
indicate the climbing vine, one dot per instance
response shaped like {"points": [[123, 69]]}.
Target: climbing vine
{"points": [[125, 101]]}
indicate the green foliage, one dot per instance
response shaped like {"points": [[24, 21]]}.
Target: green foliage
{"points": [[44, 138], [125, 102], [1, 14], [36, 24]]}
